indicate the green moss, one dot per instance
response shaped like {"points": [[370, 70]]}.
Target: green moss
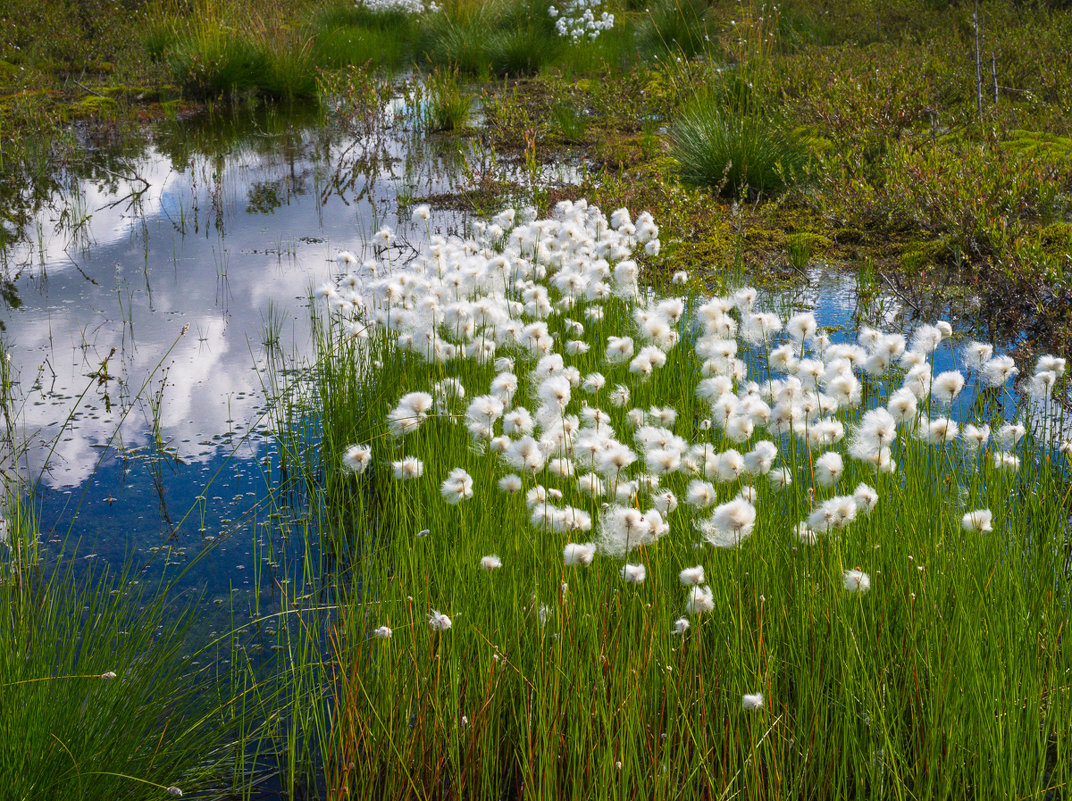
{"points": [[1037, 143], [1056, 238], [922, 255], [93, 106]]}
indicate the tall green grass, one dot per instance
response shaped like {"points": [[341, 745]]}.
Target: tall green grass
{"points": [[97, 697], [735, 149], [499, 38], [946, 680]]}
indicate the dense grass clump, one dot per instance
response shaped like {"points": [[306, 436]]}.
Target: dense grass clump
{"points": [[97, 697], [734, 150], [497, 39]]}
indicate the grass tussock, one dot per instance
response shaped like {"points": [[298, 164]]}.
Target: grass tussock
{"points": [[735, 151]]}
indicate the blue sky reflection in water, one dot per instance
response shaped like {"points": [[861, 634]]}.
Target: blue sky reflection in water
{"points": [[219, 242]]}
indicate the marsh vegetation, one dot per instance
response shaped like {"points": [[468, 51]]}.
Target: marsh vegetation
{"points": [[553, 470]]}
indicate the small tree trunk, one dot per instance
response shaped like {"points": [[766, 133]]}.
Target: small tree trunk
{"points": [[978, 64]]}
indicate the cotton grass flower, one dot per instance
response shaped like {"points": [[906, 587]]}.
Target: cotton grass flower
{"points": [[457, 487], [730, 524], [1006, 461], [692, 576], [701, 600], [634, 574], [383, 633], [752, 701], [357, 458], [578, 554], [866, 498], [828, 468], [855, 581], [438, 621], [408, 468], [946, 386], [997, 371], [780, 478], [490, 562], [975, 437], [510, 483], [978, 520]]}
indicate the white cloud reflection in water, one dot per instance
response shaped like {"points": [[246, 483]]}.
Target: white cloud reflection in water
{"points": [[188, 253]]}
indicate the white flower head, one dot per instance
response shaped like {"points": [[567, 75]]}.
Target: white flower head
{"points": [[856, 581], [357, 458], [579, 554], [438, 621], [634, 574], [752, 701], [978, 520], [701, 600], [692, 576]]}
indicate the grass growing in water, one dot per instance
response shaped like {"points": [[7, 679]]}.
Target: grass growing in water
{"points": [[446, 106], [97, 697], [667, 545]]}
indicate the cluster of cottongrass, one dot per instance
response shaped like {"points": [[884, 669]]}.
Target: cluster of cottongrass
{"points": [[683, 537], [398, 6], [578, 20]]}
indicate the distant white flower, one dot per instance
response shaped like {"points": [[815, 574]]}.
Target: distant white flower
{"points": [[805, 534], [976, 354], [692, 576], [855, 581], [1052, 364], [383, 633], [357, 458], [579, 553], [457, 487], [438, 621], [751, 701], [975, 437], [730, 524], [780, 477], [491, 562], [946, 386], [701, 600], [510, 483], [681, 625], [1006, 461], [998, 370], [634, 574], [866, 498], [680, 277], [174, 791], [978, 520], [111, 674], [408, 468], [828, 468], [421, 213]]}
